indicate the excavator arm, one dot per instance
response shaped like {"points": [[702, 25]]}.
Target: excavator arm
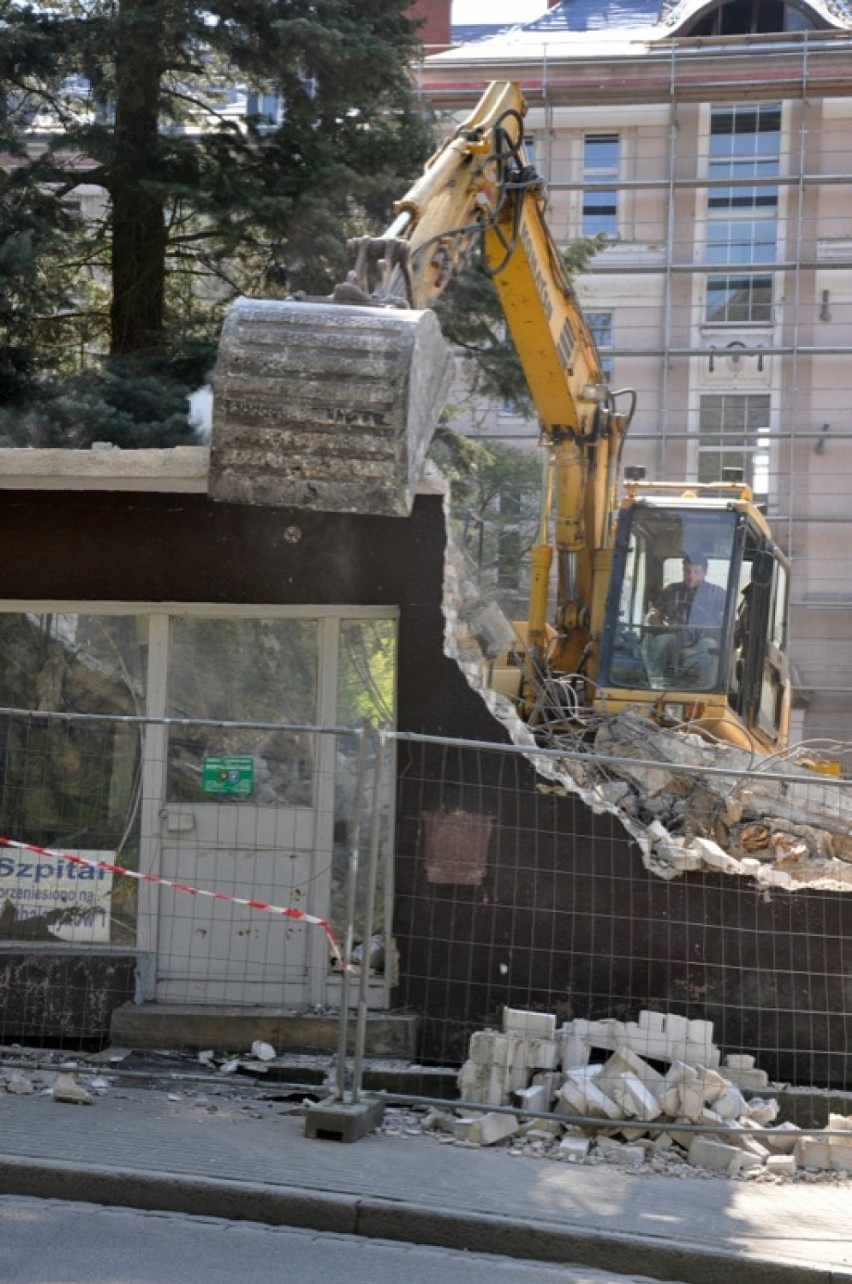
{"points": [[331, 404], [478, 186]]}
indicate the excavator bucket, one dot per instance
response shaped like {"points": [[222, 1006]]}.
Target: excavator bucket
{"points": [[325, 406]]}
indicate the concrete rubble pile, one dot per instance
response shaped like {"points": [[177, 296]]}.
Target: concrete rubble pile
{"points": [[771, 819], [549, 1073]]}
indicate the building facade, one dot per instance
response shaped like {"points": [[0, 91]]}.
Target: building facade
{"points": [[710, 144]]}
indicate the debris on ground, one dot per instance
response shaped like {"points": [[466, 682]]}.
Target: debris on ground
{"points": [[67, 1089], [664, 1100]]}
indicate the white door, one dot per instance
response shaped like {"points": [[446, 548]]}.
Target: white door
{"points": [[240, 814]]}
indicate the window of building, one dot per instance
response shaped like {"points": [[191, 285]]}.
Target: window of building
{"points": [[743, 17], [742, 211], [601, 158], [734, 433], [600, 324]]}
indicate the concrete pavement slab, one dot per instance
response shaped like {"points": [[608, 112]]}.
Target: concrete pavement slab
{"points": [[199, 1152]]}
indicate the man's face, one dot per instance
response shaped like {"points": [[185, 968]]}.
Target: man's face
{"points": [[693, 573]]}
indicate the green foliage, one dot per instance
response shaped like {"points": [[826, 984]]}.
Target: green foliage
{"points": [[130, 403], [472, 318], [203, 203]]}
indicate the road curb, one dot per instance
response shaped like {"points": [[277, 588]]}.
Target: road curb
{"points": [[401, 1221]]}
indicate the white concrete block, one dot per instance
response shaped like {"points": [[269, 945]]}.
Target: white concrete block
{"points": [[762, 1112], [574, 1048], [784, 1164], [752, 1146], [840, 1123], [543, 1054], [748, 1080], [782, 1139], [531, 1025], [485, 1130], [552, 1080], [731, 1104], [573, 1149], [544, 1128], [625, 1059], [488, 1047], [714, 1083], [813, 1152], [653, 1022], [535, 1098], [628, 1091], [716, 1155], [484, 1084], [841, 1155], [700, 1031], [739, 1061], [676, 1027], [582, 1097]]}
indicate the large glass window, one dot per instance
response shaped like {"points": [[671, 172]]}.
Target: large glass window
{"points": [[734, 433], [601, 159], [242, 671], [673, 604], [72, 784], [742, 211]]}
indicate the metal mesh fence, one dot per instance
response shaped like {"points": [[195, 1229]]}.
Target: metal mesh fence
{"points": [[512, 892], [151, 870], [197, 865]]}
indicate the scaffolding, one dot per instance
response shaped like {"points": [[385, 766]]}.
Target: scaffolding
{"points": [[726, 282]]}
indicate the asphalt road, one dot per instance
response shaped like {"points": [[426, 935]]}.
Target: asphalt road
{"points": [[51, 1242]]}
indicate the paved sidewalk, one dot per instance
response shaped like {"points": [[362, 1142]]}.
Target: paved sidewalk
{"points": [[191, 1150]]}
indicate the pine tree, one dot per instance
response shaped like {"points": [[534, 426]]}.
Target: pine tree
{"points": [[204, 202]]}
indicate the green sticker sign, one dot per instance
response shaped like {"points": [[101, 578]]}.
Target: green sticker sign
{"points": [[227, 775]]}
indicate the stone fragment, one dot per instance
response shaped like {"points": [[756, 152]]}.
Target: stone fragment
{"points": [[813, 1152], [263, 1051], [579, 1095], [531, 1025], [731, 1103], [783, 1164], [438, 1121], [782, 1139], [746, 1076], [637, 1101], [762, 1112], [536, 1097], [552, 1080], [575, 1049], [485, 1130], [485, 1084], [20, 1085], [67, 1089], [716, 1155], [573, 1149]]}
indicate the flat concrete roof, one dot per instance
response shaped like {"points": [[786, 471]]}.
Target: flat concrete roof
{"points": [[179, 468]]}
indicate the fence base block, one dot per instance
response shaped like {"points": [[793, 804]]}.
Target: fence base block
{"points": [[341, 1121]]}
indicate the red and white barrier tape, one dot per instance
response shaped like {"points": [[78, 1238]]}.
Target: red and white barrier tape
{"points": [[285, 911]]}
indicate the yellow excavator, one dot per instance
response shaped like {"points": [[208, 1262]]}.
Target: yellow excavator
{"points": [[670, 601]]}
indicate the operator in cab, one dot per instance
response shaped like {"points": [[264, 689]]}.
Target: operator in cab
{"points": [[683, 648]]}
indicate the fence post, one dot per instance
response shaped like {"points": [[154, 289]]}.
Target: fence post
{"points": [[351, 896], [380, 739]]}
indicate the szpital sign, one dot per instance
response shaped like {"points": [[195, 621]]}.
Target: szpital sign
{"points": [[45, 899]]}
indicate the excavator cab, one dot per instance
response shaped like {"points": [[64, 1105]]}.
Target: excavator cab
{"points": [[695, 623]]}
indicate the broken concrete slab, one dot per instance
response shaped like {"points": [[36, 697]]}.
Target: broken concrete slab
{"points": [[485, 1130]]}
